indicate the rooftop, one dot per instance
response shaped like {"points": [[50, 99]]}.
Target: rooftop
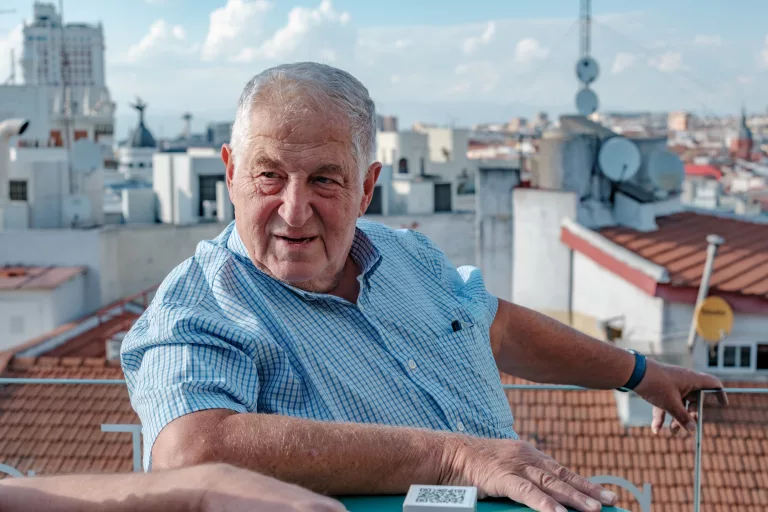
{"points": [[36, 278], [679, 245], [706, 171]]}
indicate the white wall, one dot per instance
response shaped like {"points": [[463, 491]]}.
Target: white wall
{"points": [[136, 162], [541, 262], [493, 198], [63, 247], [747, 330], [421, 197], [600, 295], [136, 257], [26, 314], [138, 205], [162, 184]]}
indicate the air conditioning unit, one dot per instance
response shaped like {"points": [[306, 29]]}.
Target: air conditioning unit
{"points": [[209, 209]]}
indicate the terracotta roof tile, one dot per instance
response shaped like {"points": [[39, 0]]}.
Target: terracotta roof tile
{"points": [[734, 447], [679, 245]]}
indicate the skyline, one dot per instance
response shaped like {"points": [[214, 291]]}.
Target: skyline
{"points": [[464, 64]]}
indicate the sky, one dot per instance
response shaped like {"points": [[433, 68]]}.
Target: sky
{"points": [[444, 61]]}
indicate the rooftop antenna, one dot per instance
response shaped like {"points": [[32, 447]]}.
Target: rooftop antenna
{"points": [[187, 117], [66, 106], [12, 77], [586, 67]]}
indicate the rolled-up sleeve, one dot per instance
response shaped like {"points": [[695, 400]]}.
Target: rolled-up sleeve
{"points": [[178, 360]]}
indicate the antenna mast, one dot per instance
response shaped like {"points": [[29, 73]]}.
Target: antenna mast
{"points": [[586, 28], [66, 103]]}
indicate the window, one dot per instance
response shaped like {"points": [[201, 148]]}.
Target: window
{"points": [[402, 166], [732, 357], [18, 190]]}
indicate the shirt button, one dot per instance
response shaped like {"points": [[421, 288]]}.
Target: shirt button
{"points": [[412, 364], [460, 426]]}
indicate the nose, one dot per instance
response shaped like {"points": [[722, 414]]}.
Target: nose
{"points": [[295, 209]]}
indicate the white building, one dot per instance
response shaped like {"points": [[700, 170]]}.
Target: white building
{"points": [[67, 61], [55, 55], [191, 187], [35, 300], [623, 261]]}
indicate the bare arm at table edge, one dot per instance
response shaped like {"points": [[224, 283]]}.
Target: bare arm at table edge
{"points": [[204, 488], [330, 458]]}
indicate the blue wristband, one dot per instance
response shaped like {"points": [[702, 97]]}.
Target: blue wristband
{"points": [[637, 374]]}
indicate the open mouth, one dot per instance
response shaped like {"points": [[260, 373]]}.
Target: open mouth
{"points": [[297, 241]]}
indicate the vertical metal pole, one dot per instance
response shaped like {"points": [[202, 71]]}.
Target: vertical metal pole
{"points": [[697, 460], [713, 242]]}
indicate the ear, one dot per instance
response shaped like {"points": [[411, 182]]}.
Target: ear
{"points": [[229, 163], [371, 176]]}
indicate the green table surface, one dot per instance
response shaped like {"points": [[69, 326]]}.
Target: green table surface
{"points": [[395, 503]]}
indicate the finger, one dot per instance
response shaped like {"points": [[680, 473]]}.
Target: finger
{"points": [[561, 491], [583, 487], [722, 397], [524, 491], [658, 419], [679, 412]]}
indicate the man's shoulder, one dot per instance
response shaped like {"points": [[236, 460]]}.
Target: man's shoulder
{"points": [[386, 238], [191, 281]]}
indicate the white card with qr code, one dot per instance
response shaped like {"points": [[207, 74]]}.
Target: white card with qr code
{"points": [[440, 498]]}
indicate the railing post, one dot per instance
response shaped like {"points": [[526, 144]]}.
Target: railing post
{"points": [[697, 460], [135, 431]]}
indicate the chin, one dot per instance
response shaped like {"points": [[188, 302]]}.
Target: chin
{"points": [[297, 274]]}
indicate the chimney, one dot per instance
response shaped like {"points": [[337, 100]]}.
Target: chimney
{"points": [[113, 345]]}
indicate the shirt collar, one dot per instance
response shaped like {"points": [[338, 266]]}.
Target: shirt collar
{"points": [[365, 254]]}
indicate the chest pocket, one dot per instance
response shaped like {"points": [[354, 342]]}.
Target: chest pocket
{"points": [[458, 365]]}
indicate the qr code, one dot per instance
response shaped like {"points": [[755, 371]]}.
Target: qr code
{"points": [[441, 495]]}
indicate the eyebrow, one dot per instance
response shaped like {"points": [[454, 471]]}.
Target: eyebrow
{"points": [[329, 168], [265, 161]]}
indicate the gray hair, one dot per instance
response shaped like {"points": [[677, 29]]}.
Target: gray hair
{"points": [[324, 86]]}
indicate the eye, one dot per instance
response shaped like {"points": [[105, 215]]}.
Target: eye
{"points": [[323, 180], [269, 175]]}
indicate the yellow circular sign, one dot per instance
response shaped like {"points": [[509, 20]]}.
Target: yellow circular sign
{"points": [[714, 319]]}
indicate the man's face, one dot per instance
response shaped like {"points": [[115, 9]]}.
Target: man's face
{"points": [[297, 193]]}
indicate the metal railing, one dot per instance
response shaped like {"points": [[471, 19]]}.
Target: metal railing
{"points": [[643, 496]]}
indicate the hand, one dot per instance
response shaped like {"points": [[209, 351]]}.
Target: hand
{"points": [[668, 388], [231, 489], [516, 470]]}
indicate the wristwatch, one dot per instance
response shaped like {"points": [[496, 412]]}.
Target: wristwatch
{"points": [[637, 374]]}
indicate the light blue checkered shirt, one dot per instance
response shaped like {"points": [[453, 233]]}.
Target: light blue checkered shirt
{"points": [[222, 334]]}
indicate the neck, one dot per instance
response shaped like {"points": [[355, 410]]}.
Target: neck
{"points": [[348, 287]]}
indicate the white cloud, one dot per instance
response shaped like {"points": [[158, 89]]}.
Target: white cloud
{"points": [[473, 43], [708, 40], [162, 39], [11, 41], [529, 50], [622, 62], [668, 62], [745, 79], [311, 33], [233, 27]]}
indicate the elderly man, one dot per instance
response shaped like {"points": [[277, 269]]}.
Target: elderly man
{"points": [[344, 356]]}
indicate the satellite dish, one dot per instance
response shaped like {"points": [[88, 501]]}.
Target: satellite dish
{"points": [[586, 102], [75, 209], [619, 159], [665, 170], [587, 70], [86, 156]]}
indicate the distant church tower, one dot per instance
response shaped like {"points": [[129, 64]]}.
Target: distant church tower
{"points": [[135, 157], [741, 147]]}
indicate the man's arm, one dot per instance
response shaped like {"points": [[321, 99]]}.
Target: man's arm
{"points": [[343, 458], [537, 348], [330, 458], [206, 488]]}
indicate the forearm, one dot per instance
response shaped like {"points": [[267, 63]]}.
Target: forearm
{"points": [[176, 491], [330, 458], [535, 347]]}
